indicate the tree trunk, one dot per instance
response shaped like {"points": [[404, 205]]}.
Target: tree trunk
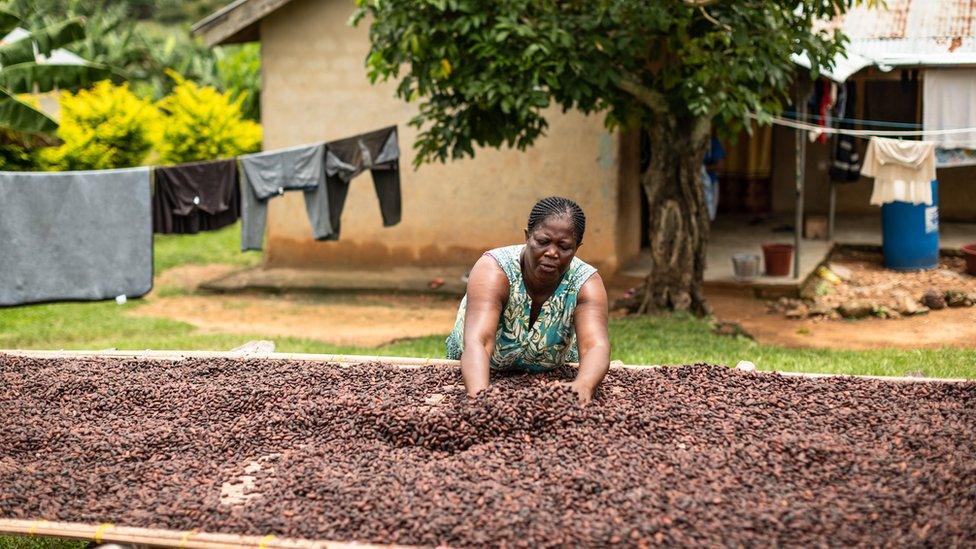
{"points": [[678, 217]]}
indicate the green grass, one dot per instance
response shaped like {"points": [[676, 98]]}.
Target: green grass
{"points": [[223, 246], [103, 325], [11, 542], [684, 340], [655, 340]]}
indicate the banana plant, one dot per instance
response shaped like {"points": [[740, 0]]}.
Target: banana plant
{"points": [[32, 61]]}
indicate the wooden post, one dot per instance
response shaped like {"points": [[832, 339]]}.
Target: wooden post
{"points": [[801, 158]]}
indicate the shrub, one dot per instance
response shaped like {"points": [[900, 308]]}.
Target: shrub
{"points": [[201, 123], [102, 128]]}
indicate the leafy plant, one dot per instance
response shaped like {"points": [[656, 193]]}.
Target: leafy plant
{"points": [[31, 62], [105, 127], [239, 72], [201, 123]]}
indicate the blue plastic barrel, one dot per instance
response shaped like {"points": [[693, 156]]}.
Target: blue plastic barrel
{"points": [[910, 234]]}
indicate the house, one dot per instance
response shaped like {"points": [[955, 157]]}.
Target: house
{"points": [[898, 55], [315, 88]]}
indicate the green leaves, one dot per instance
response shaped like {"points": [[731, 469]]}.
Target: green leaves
{"points": [[23, 77], [484, 71], [9, 20], [21, 117], [44, 40]]}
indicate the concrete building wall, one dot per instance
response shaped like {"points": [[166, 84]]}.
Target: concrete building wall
{"points": [[316, 88]]}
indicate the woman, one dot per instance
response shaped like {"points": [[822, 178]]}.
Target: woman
{"points": [[533, 307]]}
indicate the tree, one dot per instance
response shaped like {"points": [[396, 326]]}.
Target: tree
{"points": [[32, 61], [485, 71]]}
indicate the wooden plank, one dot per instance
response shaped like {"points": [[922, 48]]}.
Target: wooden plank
{"points": [[106, 533]]}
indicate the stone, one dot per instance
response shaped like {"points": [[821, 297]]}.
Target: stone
{"points": [[856, 309], [842, 272], [933, 299], [956, 298], [820, 309], [255, 346], [730, 329], [906, 304], [885, 312], [745, 366], [798, 311]]}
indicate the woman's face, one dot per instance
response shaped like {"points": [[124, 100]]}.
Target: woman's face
{"points": [[550, 248]]}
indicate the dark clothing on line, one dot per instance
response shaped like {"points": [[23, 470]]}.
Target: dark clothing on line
{"points": [[269, 174], [377, 151], [194, 197], [845, 166]]}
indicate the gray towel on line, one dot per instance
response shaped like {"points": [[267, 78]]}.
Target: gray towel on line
{"points": [[269, 174], [75, 235]]}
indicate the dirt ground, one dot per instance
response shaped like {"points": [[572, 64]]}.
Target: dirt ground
{"points": [[366, 320], [945, 328], [373, 320]]}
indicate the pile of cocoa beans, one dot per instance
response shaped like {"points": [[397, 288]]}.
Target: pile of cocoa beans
{"points": [[699, 455]]}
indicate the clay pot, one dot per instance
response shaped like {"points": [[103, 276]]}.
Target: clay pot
{"points": [[778, 259], [969, 251]]}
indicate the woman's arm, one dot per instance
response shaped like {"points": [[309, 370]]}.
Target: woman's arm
{"points": [[487, 292], [591, 318]]}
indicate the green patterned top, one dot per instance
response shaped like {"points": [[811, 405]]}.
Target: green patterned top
{"points": [[551, 341]]}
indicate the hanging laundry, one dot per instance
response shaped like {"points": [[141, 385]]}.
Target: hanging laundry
{"points": [[827, 99], [376, 151], [75, 235], [949, 101], [269, 174], [845, 164], [902, 170], [194, 197]]}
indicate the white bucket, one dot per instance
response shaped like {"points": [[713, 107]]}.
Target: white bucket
{"points": [[746, 266]]}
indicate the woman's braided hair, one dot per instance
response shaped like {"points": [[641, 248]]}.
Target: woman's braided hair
{"points": [[559, 207]]}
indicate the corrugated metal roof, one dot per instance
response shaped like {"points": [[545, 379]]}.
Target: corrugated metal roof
{"points": [[911, 19], [906, 33]]}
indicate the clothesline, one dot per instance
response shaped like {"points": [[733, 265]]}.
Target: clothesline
{"points": [[780, 121], [793, 115], [105, 251]]}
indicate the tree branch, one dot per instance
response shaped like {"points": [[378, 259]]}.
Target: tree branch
{"points": [[653, 99], [714, 21]]}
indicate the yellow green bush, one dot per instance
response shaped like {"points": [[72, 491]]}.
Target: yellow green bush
{"points": [[104, 127], [201, 123]]}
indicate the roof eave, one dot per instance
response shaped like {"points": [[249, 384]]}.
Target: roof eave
{"points": [[237, 22]]}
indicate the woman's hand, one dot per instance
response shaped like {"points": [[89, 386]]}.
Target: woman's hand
{"points": [[474, 388], [583, 390]]}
